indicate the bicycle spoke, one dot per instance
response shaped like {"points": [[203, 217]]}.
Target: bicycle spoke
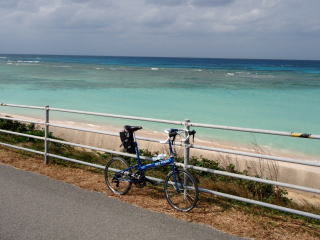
{"points": [[183, 194], [117, 176], [190, 198]]}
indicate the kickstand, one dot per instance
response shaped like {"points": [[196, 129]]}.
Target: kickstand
{"points": [[150, 181]]}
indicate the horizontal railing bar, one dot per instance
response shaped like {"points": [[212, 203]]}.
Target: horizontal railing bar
{"points": [[261, 180], [97, 149], [196, 168], [253, 130], [76, 161], [105, 132], [257, 155], [263, 204], [21, 134], [21, 120], [21, 148], [148, 139], [118, 116], [21, 106], [189, 166], [84, 129]]}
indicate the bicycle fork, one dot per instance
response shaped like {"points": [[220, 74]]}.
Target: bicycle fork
{"points": [[179, 184]]}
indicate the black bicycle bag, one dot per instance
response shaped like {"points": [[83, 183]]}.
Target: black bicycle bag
{"points": [[128, 141]]}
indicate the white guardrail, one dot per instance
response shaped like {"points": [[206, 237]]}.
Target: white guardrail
{"points": [[186, 145]]}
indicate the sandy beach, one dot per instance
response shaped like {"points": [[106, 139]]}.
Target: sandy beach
{"points": [[284, 172]]}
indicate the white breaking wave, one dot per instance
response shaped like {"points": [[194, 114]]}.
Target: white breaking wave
{"points": [[230, 74], [154, 69], [20, 61]]}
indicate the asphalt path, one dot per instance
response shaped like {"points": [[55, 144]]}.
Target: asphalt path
{"points": [[35, 207]]}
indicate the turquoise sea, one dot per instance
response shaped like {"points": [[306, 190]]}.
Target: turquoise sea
{"points": [[269, 94]]}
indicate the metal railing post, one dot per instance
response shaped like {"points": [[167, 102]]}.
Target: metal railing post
{"points": [[186, 154], [46, 133], [186, 146]]}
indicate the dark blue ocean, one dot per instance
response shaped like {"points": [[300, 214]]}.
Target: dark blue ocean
{"points": [[269, 94]]}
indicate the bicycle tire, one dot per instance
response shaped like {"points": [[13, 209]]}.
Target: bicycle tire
{"points": [[185, 198], [120, 184]]}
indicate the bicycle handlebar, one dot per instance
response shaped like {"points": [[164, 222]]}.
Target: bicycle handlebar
{"points": [[173, 132]]}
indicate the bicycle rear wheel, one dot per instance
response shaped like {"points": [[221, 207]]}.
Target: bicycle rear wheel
{"points": [[118, 180], [181, 190]]}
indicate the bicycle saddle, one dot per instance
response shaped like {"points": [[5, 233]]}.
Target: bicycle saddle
{"points": [[132, 128]]}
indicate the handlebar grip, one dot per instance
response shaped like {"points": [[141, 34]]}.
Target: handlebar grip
{"points": [[192, 133]]}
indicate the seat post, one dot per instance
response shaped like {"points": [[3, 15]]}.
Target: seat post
{"points": [[136, 148]]}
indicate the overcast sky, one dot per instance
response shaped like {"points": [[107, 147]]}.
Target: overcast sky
{"points": [[288, 29]]}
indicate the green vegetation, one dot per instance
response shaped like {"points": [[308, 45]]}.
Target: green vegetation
{"points": [[16, 126], [239, 187]]}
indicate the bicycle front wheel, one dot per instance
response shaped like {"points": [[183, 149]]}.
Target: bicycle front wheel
{"points": [[117, 177], [181, 190]]}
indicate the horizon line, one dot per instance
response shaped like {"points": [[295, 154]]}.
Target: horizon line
{"points": [[188, 57]]}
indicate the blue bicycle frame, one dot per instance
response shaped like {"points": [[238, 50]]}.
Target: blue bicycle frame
{"points": [[144, 167], [180, 187], [141, 167]]}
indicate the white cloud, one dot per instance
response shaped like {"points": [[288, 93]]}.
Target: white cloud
{"points": [[203, 21]]}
